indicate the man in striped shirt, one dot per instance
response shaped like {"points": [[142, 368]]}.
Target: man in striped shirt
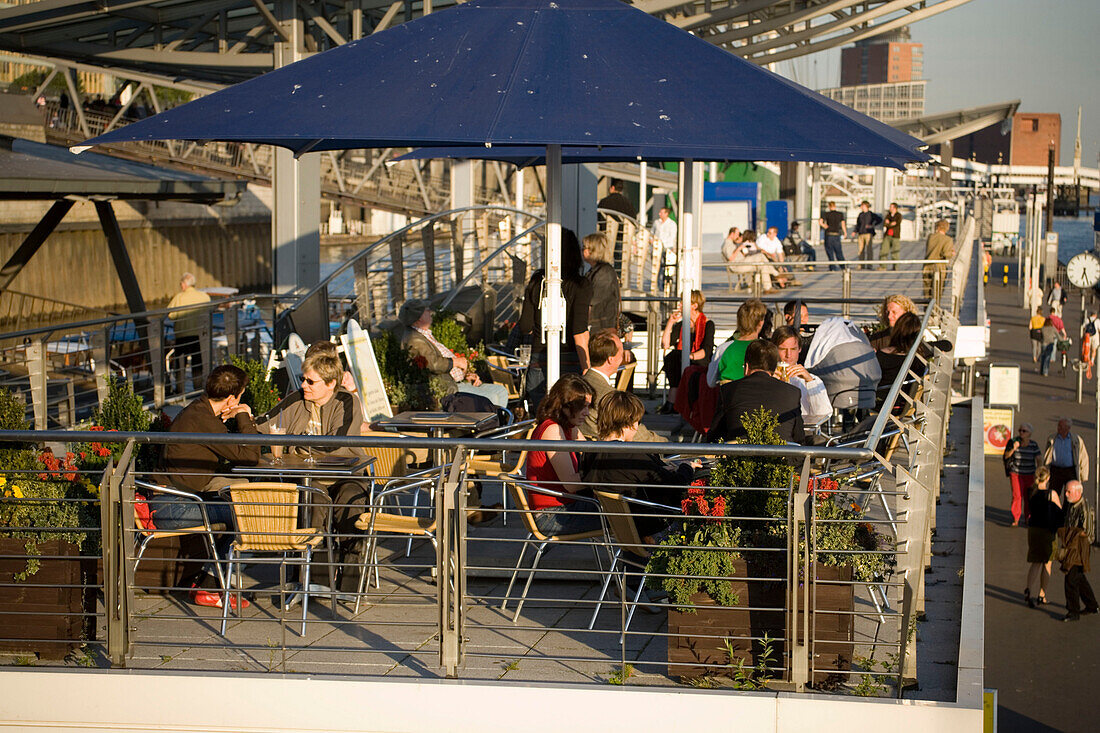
{"points": [[1021, 458]]}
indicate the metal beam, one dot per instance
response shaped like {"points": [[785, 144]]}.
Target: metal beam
{"points": [[121, 257], [33, 242]]}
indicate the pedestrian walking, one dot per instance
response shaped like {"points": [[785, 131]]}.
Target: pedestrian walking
{"points": [[1075, 537], [835, 229], [1057, 298], [1066, 457], [1045, 509], [1021, 458], [1035, 332], [1049, 336], [866, 222], [1090, 341], [939, 246], [891, 236]]}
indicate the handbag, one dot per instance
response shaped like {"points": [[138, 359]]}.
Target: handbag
{"points": [[1036, 334]]}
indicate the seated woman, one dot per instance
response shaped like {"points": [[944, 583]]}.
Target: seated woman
{"points": [[560, 416], [903, 334], [746, 253], [815, 398], [702, 346], [452, 368], [892, 309], [641, 475]]}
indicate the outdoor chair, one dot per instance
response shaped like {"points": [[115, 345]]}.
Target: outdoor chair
{"points": [[625, 376], [267, 523], [494, 466], [518, 487], [208, 529], [376, 521], [622, 533]]}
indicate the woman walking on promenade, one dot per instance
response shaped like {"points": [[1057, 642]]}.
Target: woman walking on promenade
{"points": [[1045, 509], [1035, 332], [1021, 460]]}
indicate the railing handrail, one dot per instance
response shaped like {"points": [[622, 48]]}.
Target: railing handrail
{"points": [[143, 315], [402, 441], [474, 272]]}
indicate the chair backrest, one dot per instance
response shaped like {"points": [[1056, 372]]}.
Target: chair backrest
{"points": [[625, 376], [521, 459], [624, 531], [498, 367], [519, 498], [266, 514], [389, 461]]}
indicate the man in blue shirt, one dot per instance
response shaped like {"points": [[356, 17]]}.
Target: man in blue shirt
{"points": [[1066, 456]]}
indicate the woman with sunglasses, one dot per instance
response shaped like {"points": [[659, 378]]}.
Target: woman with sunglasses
{"points": [[1021, 459]]}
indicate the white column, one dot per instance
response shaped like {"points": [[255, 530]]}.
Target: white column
{"points": [[815, 204], [553, 302], [643, 199]]}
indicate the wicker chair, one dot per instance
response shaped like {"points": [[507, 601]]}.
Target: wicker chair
{"points": [[267, 523]]}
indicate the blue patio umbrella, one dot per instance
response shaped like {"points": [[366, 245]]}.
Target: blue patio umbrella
{"points": [[534, 73]]}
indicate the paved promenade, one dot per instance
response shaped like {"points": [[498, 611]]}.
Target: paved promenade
{"points": [[1045, 670]]}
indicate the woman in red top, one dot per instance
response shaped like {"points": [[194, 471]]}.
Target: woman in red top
{"points": [[560, 416]]}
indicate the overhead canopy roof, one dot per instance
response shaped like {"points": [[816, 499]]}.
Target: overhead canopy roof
{"points": [[945, 126], [226, 41], [36, 171]]}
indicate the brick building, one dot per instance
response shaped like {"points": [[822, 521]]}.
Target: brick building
{"points": [[890, 57], [1026, 142]]}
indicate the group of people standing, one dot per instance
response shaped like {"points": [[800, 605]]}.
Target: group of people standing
{"points": [[1048, 496], [835, 225]]}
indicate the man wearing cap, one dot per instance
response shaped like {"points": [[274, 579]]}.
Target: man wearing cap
{"points": [[452, 369]]}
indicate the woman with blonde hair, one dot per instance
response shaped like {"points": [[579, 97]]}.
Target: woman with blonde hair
{"points": [[893, 307], [729, 363], [605, 307]]}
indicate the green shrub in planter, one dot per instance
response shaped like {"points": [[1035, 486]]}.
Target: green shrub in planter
{"points": [[261, 394]]}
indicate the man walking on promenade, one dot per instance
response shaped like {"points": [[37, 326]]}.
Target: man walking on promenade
{"points": [[1075, 538], [664, 231], [1057, 298], [835, 228], [865, 231], [1066, 456], [891, 236], [939, 247]]}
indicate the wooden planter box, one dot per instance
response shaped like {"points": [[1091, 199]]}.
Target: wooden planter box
{"points": [[38, 615], [696, 639]]}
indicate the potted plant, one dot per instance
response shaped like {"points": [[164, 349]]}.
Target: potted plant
{"points": [[47, 507], [724, 565]]}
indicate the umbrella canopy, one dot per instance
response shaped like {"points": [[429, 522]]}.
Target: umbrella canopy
{"points": [[533, 72]]}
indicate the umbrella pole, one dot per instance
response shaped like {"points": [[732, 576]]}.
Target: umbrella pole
{"points": [[553, 304], [688, 204]]}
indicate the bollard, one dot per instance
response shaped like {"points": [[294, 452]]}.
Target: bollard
{"points": [[1079, 367], [1004, 280]]}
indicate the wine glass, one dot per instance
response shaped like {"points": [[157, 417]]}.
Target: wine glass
{"points": [[277, 450]]}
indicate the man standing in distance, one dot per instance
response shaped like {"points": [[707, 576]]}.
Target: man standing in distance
{"points": [[616, 201], [1066, 456], [866, 222], [939, 247], [664, 231], [188, 328], [835, 229], [891, 236]]}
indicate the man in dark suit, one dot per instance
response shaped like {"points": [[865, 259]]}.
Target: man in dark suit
{"points": [[606, 351], [758, 389]]}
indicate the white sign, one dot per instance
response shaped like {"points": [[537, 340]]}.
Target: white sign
{"points": [[364, 369], [1004, 384]]}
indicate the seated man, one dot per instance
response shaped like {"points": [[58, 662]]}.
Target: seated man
{"points": [[796, 248], [842, 357], [451, 368], [641, 475], [196, 466], [606, 351], [758, 389]]}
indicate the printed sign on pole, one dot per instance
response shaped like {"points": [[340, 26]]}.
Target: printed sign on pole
{"points": [[364, 369], [1004, 384], [996, 429]]}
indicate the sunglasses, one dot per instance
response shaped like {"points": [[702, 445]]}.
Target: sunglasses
{"points": [[311, 382]]}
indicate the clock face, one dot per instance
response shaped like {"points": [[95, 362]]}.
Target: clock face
{"points": [[1083, 270]]}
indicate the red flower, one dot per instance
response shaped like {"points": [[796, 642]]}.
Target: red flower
{"points": [[695, 491], [685, 506], [70, 477], [83, 455], [43, 477]]}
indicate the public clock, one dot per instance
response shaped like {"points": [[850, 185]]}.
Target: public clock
{"points": [[1083, 270]]}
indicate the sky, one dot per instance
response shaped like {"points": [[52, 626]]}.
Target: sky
{"points": [[1044, 53]]}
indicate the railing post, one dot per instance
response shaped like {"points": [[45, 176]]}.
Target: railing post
{"points": [[450, 564], [653, 335], [846, 279], [757, 283], [232, 330], [101, 352], [156, 358], [397, 268], [36, 373], [206, 349], [427, 243], [800, 566], [116, 497]]}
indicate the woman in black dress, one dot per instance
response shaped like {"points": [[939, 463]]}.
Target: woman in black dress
{"points": [[1046, 517]]}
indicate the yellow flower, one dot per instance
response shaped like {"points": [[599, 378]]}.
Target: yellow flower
{"points": [[16, 491], [3, 480]]}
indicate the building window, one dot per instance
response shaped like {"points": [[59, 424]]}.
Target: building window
{"points": [[1032, 124]]}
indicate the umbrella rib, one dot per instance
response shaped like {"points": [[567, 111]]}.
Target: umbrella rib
{"points": [[529, 29]]}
